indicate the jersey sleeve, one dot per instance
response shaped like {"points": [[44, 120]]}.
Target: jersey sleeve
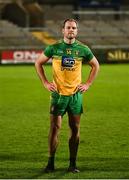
{"points": [[88, 54], [48, 51]]}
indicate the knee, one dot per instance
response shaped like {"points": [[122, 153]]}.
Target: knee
{"points": [[75, 130], [75, 138], [75, 133], [56, 127]]}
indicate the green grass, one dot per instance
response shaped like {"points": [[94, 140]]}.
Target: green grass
{"points": [[24, 125]]}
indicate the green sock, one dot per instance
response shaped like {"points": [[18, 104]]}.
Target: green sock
{"points": [[73, 162], [51, 161]]}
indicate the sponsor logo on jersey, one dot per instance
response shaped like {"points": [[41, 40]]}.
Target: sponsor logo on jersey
{"points": [[67, 63]]}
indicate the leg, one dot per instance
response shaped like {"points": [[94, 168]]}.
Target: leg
{"points": [[55, 125], [74, 123]]}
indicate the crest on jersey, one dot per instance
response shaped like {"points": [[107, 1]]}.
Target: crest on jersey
{"points": [[76, 52], [68, 51]]}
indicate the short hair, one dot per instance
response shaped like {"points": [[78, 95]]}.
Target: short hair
{"points": [[71, 20]]}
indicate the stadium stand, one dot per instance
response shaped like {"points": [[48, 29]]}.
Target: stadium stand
{"points": [[98, 32], [23, 13], [44, 36], [3, 4], [12, 36], [99, 28]]}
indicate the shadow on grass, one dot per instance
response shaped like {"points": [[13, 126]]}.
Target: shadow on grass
{"points": [[30, 173], [104, 164], [29, 157], [26, 166], [29, 166]]}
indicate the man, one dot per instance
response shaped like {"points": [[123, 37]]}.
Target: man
{"points": [[66, 88]]}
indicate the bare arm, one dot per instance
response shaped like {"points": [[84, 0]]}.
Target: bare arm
{"points": [[93, 73], [42, 59]]}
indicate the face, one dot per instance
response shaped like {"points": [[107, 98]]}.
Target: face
{"points": [[70, 30]]}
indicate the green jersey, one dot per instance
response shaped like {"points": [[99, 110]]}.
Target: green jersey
{"points": [[67, 63]]}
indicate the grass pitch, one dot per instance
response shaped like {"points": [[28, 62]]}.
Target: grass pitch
{"points": [[24, 125]]}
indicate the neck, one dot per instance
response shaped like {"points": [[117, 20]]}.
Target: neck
{"points": [[69, 41]]}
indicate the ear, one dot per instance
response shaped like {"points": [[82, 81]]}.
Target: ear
{"points": [[62, 30]]}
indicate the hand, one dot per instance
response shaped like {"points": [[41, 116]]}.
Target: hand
{"points": [[83, 87], [50, 86]]}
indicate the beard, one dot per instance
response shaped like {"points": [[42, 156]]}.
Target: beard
{"points": [[71, 36]]}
